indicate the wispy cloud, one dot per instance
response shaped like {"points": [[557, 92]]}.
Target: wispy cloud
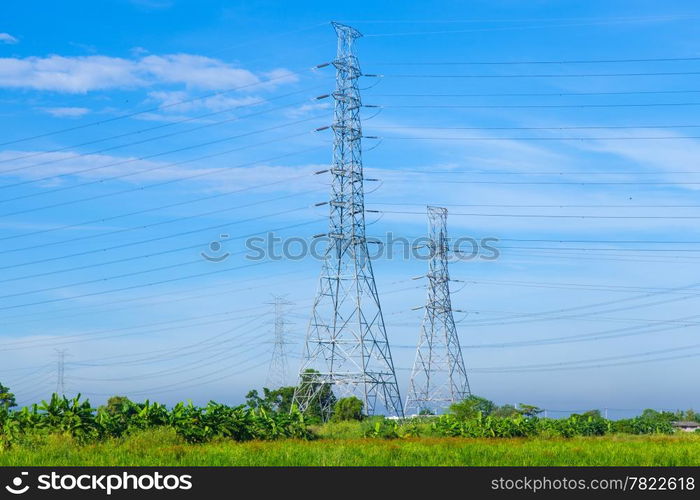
{"points": [[67, 112], [88, 73], [181, 102], [308, 109], [153, 4], [134, 171], [7, 38], [663, 154]]}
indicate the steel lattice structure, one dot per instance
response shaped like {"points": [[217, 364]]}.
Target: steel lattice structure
{"points": [[346, 343], [439, 377], [277, 375], [60, 372]]}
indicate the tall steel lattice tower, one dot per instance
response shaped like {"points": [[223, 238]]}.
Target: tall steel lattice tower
{"points": [[278, 372], [346, 343], [439, 377]]}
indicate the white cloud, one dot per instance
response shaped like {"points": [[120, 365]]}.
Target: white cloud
{"points": [[67, 112], [308, 109], [181, 102], [196, 71], [136, 171], [69, 74], [7, 38], [87, 73], [153, 4], [663, 155]]}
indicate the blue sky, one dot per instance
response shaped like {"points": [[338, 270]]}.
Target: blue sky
{"points": [[586, 173]]}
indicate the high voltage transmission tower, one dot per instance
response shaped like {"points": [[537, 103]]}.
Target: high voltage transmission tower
{"points": [[60, 372], [439, 377], [279, 367], [346, 347]]}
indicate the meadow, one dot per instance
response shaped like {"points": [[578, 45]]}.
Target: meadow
{"points": [[164, 447], [65, 432]]}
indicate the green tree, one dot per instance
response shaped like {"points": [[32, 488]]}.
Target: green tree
{"points": [[529, 410], [276, 400], [325, 399], [505, 411], [472, 405], [689, 415], [7, 399], [280, 400], [347, 409], [654, 416], [117, 405], [483, 405]]}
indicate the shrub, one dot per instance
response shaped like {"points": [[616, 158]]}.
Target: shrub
{"points": [[347, 409]]}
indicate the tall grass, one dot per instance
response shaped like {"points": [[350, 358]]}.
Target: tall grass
{"points": [[163, 447]]}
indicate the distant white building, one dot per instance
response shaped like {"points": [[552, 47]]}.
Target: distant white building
{"points": [[686, 426]]}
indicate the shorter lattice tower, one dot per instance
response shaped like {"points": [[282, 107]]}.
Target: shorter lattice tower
{"points": [[439, 377], [60, 372], [278, 373]]}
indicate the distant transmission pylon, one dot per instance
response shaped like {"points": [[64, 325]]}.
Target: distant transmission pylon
{"points": [[60, 372], [277, 375], [346, 343], [439, 377]]}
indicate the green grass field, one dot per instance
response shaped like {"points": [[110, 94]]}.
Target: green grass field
{"points": [[163, 448]]}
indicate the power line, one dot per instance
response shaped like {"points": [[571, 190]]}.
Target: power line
{"points": [[673, 17], [543, 315], [615, 138], [112, 333], [197, 175], [150, 129], [141, 298], [578, 365], [152, 254], [555, 216], [157, 355], [247, 341], [600, 335], [531, 106], [208, 360], [133, 287], [133, 273], [504, 28], [576, 286], [542, 75], [148, 210], [158, 167], [541, 173], [610, 258], [563, 127], [160, 238], [184, 384], [596, 249], [560, 61], [543, 240], [563, 205], [543, 94]]}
